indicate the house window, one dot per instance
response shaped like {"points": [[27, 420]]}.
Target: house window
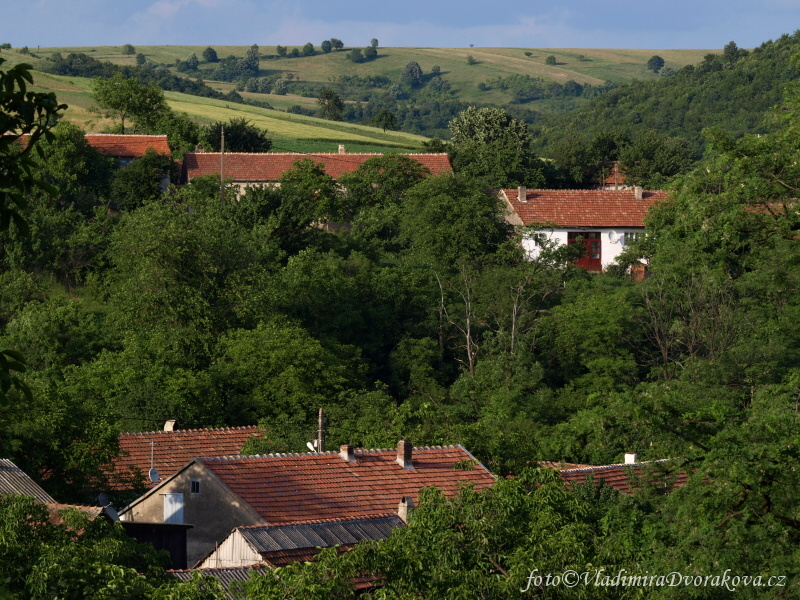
{"points": [[631, 236], [195, 486]]}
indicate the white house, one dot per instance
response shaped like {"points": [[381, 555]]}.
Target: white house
{"points": [[602, 220]]}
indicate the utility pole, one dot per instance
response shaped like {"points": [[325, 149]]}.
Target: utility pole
{"points": [[321, 432], [222, 166]]}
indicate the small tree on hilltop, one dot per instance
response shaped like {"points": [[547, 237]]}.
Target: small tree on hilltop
{"points": [[210, 55], [141, 59], [356, 55], [385, 120], [550, 60], [370, 53], [374, 42], [308, 49], [280, 50], [128, 49], [655, 63], [337, 44], [326, 46]]}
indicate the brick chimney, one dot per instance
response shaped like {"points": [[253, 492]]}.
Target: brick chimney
{"points": [[631, 458], [405, 508], [404, 450], [637, 190], [341, 149], [522, 194], [170, 425], [347, 452]]}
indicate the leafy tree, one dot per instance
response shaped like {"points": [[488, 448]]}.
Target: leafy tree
{"points": [[141, 59], [412, 74], [655, 63], [240, 136], [435, 70], [326, 46], [281, 50], [356, 55], [385, 120], [370, 53], [192, 62], [330, 104], [471, 60], [143, 180], [337, 44], [550, 60], [249, 65], [308, 49], [128, 49], [295, 52], [125, 99], [652, 160], [731, 52], [373, 43], [528, 53], [210, 55]]}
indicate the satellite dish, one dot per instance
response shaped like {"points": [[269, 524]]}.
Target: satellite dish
{"points": [[312, 446], [153, 474], [613, 237]]}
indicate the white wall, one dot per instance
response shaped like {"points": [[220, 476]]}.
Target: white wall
{"points": [[608, 251]]}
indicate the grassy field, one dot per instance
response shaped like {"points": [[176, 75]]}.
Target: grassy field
{"points": [[289, 131]]}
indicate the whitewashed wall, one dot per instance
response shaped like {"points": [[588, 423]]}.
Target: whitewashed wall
{"points": [[609, 251]]}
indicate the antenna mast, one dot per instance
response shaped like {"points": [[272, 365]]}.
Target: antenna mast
{"points": [[321, 432]]}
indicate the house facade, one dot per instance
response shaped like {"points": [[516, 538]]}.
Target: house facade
{"points": [[603, 221]]}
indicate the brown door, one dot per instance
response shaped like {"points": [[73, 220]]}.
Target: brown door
{"points": [[591, 261]]}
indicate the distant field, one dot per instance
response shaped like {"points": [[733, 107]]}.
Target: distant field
{"points": [[586, 66]]}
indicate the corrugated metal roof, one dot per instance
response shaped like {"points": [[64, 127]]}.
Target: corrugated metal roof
{"points": [[324, 534], [225, 576], [14, 480]]}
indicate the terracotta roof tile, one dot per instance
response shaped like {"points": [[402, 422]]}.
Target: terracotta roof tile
{"points": [[625, 477], [290, 488], [583, 208], [173, 449], [124, 146], [269, 166]]}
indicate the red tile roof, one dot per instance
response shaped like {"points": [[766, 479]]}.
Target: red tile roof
{"points": [[289, 488], [583, 208], [264, 167], [124, 146], [171, 450], [625, 477], [57, 517]]}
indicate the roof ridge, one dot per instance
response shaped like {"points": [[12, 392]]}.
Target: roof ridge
{"points": [[326, 453], [197, 430], [615, 465], [364, 517]]}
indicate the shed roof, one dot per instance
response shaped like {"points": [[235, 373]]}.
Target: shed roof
{"points": [[582, 208], [14, 480], [269, 166], [626, 477], [123, 146]]}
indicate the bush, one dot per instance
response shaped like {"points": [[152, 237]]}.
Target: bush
{"points": [[550, 60], [356, 55], [471, 60]]}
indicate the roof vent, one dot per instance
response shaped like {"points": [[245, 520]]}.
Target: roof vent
{"points": [[638, 191], [405, 507], [170, 425], [347, 453], [631, 458], [404, 450], [522, 194], [341, 149]]}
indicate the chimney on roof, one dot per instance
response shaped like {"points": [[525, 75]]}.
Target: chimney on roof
{"points": [[522, 194], [637, 190], [347, 452], [170, 425], [631, 458], [341, 149], [404, 449], [405, 508]]}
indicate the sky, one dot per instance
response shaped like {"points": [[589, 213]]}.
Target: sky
{"points": [[653, 24]]}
